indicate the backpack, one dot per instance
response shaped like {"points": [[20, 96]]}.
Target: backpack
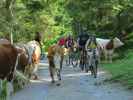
{"points": [[83, 39]]}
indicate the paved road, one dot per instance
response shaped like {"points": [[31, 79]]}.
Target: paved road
{"points": [[75, 85]]}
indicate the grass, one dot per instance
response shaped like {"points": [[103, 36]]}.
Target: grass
{"points": [[122, 70]]}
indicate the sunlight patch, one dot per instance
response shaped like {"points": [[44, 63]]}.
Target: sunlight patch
{"points": [[82, 74]]}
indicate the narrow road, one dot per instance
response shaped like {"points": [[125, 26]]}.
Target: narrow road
{"points": [[75, 85]]}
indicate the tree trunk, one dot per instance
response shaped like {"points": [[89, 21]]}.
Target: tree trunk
{"points": [[9, 16]]}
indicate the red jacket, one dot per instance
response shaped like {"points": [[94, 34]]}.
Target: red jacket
{"points": [[61, 42]]}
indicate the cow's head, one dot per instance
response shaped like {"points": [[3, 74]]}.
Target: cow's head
{"points": [[117, 42]]}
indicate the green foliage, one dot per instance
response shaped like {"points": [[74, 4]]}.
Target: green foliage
{"points": [[20, 81], [122, 70], [105, 18], [3, 92], [49, 42], [30, 16], [34, 6]]}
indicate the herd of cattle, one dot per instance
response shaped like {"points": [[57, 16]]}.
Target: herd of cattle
{"points": [[22, 57], [26, 57], [56, 54]]}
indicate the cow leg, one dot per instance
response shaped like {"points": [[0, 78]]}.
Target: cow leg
{"points": [[98, 56], [110, 58], [106, 55], [58, 74], [66, 61], [110, 53], [65, 56], [51, 70], [34, 71], [61, 62]]}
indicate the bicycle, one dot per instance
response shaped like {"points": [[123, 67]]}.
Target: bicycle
{"points": [[83, 60], [92, 61]]}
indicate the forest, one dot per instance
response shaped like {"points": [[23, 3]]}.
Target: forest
{"points": [[20, 19], [107, 19]]}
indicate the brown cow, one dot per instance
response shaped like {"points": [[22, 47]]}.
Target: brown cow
{"points": [[23, 58], [55, 58], [8, 58], [8, 62]]}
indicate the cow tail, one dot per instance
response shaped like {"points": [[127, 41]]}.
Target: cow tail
{"points": [[16, 63]]}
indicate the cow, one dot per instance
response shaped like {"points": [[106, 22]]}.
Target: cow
{"points": [[34, 52], [55, 58], [29, 58], [8, 57], [107, 47], [23, 58], [8, 62]]}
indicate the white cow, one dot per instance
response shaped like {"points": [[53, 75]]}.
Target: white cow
{"points": [[107, 47]]}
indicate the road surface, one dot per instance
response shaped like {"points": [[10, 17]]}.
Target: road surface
{"points": [[75, 85]]}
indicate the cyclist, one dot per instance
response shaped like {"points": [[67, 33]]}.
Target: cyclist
{"points": [[69, 42], [91, 43], [69, 45], [92, 52], [82, 38]]}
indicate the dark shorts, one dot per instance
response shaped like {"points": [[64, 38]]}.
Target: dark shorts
{"points": [[81, 47]]}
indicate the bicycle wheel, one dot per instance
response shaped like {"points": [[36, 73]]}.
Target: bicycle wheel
{"points": [[86, 65], [95, 69]]}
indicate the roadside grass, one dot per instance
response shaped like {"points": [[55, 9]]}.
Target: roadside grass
{"points": [[121, 70]]}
